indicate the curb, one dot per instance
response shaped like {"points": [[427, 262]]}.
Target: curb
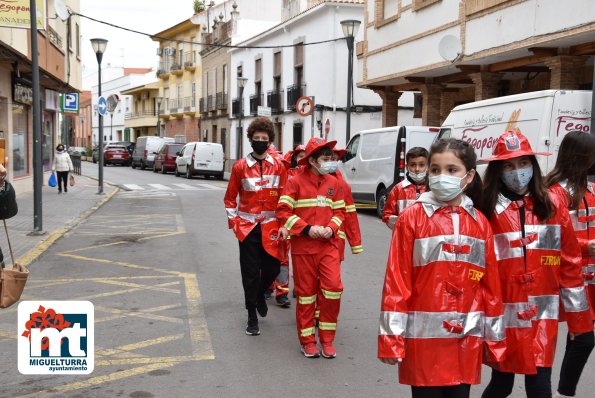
{"points": [[33, 254]]}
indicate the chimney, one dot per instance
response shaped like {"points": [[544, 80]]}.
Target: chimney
{"points": [[234, 16]]}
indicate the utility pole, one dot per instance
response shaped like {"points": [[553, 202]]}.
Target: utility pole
{"points": [[37, 164]]}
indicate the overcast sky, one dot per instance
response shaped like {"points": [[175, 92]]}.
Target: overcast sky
{"points": [[126, 48]]}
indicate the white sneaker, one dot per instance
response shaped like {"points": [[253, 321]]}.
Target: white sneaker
{"points": [[558, 395]]}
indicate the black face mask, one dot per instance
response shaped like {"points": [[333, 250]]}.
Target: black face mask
{"points": [[260, 147], [294, 163]]}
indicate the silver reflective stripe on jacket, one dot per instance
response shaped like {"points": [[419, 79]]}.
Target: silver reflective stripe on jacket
{"points": [[587, 270], [263, 218], [548, 307], [574, 299], [574, 215], [428, 250], [429, 325], [494, 328], [403, 204], [231, 212], [392, 323], [548, 239], [257, 183]]}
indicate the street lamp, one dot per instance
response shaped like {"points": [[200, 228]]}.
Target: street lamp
{"points": [[241, 84], [350, 28], [99, 46], [158, 99]]}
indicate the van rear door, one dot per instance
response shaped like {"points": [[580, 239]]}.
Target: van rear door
{"points": [[205, 157]]}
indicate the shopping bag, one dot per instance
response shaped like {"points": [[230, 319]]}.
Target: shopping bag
{"points": [[52, 181], [71, 180], [12, 280]]}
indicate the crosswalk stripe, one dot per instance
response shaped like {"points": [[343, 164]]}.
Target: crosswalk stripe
{"points": [[161, 187], [133, 187], [186, 187], [208, 186]]}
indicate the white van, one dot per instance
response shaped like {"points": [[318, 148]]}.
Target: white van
{"points": [[375, 160], [201, 158], [544, 117], [144, 152]]}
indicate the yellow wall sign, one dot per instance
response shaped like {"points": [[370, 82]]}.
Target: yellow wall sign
{"points": [[17, 14]]}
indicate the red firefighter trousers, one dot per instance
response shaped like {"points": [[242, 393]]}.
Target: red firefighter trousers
{"points": [[313, 273]]}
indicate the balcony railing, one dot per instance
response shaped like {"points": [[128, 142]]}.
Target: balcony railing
{"points": [[275, 101], [175, 67], [211, 103], [175, 104], [189, 104], [190, 59], [202, 104], [256, 100], [294, 92], [221, 101], [55, 38], [136, 115], [235, 107]]}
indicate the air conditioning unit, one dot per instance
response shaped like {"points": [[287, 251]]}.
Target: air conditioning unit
{"points": [[159, 51], [170, 51]]}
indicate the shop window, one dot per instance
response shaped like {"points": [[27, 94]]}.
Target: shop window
{"points": [[20, 149]]}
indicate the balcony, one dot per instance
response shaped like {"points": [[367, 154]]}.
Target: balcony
{"points": [[175, 106], [221, 101], [211, 103], [189, 105], [141, 118], [202, 104], [163, 71], [256, 100], [275, 101], [176, 69], [294, 92], [190, 61], [235, 107]]}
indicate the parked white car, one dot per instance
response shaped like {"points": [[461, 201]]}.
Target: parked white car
{"points": [[375, 160], [201, 158]]}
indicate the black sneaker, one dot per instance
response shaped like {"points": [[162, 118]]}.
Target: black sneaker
{"points": [[252, 329], [283, 301], [262, 307], [268, 293]]}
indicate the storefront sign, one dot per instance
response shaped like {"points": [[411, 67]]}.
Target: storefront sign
{"points": [[69, 103], [16, 14], [52, 100], [22, 94]]}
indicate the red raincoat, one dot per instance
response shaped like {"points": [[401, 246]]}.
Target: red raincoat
{"points": [[350, 228], [441, 298], [583, 222], [538, 270], [403, 195], [259, 189]]}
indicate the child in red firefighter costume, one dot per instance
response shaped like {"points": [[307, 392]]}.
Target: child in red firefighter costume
{"points": [[406, 192], [539, 261], [258, 180], [281, 284], [569, 180], [441, 306], [312, 209]]}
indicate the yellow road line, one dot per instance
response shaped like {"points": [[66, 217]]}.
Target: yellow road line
{"points": [[149, 310], [199, 331], [140, 361], [139, 314], [141, 344], [145, 287], [118, 292]]}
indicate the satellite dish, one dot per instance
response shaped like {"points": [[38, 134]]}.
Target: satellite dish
{"points": [[450, 48], [61, 10]]}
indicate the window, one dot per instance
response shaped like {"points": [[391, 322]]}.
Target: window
{"points": [[298, 55], [166, 98], [180, 95], [216, 80], [181, 54], [352, 148], [258, 70], [78, 40], [385, 11], [277, 64], [377, 146], [193, 99], [419, 4], [20, 147], [225, 79]]}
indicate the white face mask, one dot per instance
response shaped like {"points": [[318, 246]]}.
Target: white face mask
{"points": [[328, 167], [418, 177], [445, 187], [517, 180]]}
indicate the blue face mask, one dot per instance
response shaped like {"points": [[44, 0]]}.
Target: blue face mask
{"points": [[328, 167]]}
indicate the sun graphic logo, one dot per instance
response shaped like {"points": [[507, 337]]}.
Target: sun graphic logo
{"points": [[56, 337]]}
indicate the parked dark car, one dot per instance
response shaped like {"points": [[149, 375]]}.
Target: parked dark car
{"points": [[116, 154], [165, 160]]}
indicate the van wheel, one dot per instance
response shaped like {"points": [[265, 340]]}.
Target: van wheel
{"points": [[133, 165], [380, 201], [142, 165], [219, 176], [188, 173]]}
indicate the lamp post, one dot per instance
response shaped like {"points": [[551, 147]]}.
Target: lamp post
{"points": [[99, 46], [37, 147], [350, 28], [241, 84], [158, 99]]}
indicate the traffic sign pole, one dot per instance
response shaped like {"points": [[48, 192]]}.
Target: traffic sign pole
{"points": [[100, 133]]}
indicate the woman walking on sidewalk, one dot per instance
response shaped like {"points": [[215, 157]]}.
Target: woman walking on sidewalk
{"points": [[62, 165]]}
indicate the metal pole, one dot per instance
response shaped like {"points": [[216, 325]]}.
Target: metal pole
{"points": [[111, 126], [312, 117], [37, 163], [350, 41], [158, 120], [240, 132], [100, 131]]}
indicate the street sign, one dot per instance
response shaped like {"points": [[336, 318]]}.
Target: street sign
{"points": [[327, 126], [69, 103], [112, 102], [304, 106], [264, 111], [102, 106]]}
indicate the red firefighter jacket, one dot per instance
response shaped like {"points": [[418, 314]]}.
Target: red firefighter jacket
{"points": [[441, 299], [259, 185], [350, 228], [583, 221], [403, 195], [540, 265], [312, 200]]}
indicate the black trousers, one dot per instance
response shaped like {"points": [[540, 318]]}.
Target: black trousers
{"points": [[259, 268], [460, 391], [576, 356], [537, 386], [62, 177]]}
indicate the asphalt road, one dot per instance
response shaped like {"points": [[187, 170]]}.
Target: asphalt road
{"points": [[161, 268]]}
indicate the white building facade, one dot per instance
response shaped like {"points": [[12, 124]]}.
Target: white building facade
{"points": [[277, 76]]}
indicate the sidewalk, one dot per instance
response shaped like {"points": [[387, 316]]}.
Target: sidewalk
{"points": [[60, 214]]}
